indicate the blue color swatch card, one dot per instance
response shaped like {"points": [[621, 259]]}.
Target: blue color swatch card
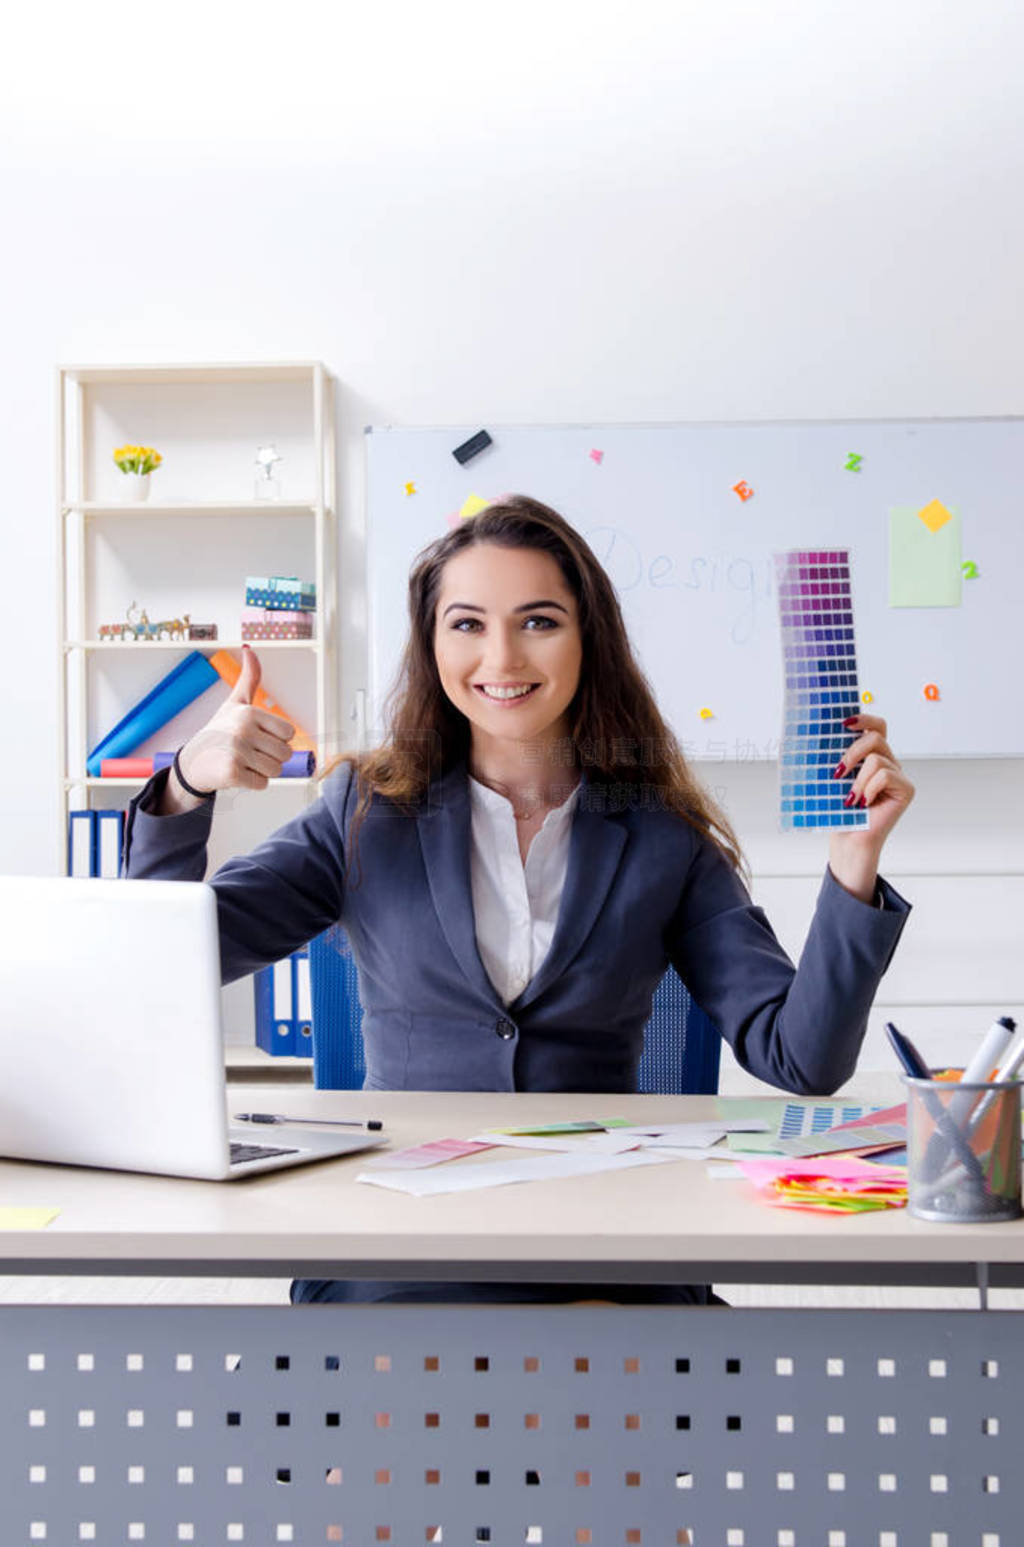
{"points": [[820, 664]]}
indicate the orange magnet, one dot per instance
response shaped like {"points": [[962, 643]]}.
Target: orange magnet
{"points": [[931, 692], [743, 489]]}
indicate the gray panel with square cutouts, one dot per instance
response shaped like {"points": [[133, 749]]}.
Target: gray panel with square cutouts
{"points": [[561, 1426]]}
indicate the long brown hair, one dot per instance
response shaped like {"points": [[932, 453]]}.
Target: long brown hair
{"points": [[617, 733]]}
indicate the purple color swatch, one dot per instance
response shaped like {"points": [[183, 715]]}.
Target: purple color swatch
{"points": [[816, 616]]}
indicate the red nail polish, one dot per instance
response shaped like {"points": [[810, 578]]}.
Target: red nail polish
{"points": [[840, 770], [851, 721], [862, 801], [850, 799]]}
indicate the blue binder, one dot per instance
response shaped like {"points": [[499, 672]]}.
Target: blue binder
{"points": [[109, 842], [284, 1021], [81, 843]]}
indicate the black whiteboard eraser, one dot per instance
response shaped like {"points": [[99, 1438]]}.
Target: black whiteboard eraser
{"points": [[472, 447]]}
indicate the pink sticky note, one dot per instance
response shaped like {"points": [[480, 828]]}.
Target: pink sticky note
{"points": [[429, 1154], [763, 1171]]}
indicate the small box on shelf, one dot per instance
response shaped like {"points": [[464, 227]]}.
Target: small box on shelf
{"points": [[282, 593], [272, 623]]}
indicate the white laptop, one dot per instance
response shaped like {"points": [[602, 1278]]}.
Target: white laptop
{"points": [[111, 1051]]}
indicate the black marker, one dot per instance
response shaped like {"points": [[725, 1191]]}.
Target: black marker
{"points": [[373, 1124]]}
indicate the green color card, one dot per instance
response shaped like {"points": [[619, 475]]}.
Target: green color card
{"points": [[924, 560]]}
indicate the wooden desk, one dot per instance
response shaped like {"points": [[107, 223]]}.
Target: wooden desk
{"points": [[659, 1225], [564, 1424]]}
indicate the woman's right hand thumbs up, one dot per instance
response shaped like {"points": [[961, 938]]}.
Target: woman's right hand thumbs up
{"points": [[240, 747]]}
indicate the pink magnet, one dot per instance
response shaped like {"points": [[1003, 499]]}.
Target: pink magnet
{"points": [[596, 456]]}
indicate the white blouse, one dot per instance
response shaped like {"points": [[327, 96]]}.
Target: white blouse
{"points": [[515, 905]]}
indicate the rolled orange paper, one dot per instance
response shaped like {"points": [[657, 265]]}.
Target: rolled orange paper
{"points": [[229, 669]]}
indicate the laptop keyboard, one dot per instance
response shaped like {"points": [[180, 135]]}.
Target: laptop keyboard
{"points": [[243, 1152]]}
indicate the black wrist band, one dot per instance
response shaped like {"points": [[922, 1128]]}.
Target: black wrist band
{"points": [[199, 794]]}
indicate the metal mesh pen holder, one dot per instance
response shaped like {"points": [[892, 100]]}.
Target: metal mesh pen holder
{"points": [[963, 1151]]}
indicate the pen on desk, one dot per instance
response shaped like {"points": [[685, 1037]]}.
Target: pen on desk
{"points": [[910, 1059], [373, 1124]]}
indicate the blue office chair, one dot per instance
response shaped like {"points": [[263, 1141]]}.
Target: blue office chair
{"points": [[681, 1045]]}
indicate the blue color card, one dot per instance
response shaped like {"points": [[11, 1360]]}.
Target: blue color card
{"points": [[820, 664], [804, 1120]]}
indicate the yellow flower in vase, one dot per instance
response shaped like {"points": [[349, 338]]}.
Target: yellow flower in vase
{"points": [[137, 462]]}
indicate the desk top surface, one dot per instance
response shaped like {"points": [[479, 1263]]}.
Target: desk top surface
{"points": [[289, 1221]]}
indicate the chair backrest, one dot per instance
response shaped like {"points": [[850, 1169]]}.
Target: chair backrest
{"points": [[681, 1045]]}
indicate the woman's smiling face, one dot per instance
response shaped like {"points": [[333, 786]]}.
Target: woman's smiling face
{"points": [[507, 642]]}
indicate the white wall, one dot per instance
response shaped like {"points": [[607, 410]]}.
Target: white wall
{"points": [[544, 212]]}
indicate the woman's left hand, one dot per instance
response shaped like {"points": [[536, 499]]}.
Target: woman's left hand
{"points": [[883, 789]]}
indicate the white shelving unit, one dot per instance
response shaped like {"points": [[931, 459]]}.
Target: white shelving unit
{"points": [[188, 549]]}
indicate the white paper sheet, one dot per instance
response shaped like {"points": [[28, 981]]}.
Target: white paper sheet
{"points": [[682, 1137], [612, 1143], [684, 1151], [688, 1134], [472, 1174]]}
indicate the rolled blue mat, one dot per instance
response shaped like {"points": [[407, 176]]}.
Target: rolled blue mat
{"points": [[189, 678], [299, 766]]}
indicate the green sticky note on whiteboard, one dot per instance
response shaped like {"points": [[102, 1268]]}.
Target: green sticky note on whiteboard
{"points": [[924, 559]]}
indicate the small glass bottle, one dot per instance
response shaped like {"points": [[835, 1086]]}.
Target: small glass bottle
{"points": [[268, 482]]}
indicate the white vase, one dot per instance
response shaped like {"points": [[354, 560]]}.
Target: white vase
{"points": [[136, 487]]}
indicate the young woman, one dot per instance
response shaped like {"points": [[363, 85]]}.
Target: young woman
{"points": [[527, 851]]}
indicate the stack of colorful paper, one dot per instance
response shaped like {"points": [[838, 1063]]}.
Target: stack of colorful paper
{"points": [[828, 1186]]}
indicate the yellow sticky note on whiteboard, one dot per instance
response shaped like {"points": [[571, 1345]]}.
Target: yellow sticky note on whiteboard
{"points": [[473, 506], [26, 1219]]}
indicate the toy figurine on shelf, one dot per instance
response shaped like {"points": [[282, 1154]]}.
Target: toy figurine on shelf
{"points": [[137, 627], [112, 631]]}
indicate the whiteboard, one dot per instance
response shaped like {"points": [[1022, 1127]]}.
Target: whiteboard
{"points": [[692, 561]]}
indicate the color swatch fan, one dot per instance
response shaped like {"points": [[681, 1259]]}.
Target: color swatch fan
{"points": [[820, 662]]}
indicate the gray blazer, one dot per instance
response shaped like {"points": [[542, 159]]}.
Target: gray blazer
{"points": [[642, 890]]}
